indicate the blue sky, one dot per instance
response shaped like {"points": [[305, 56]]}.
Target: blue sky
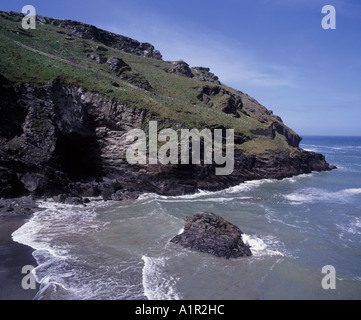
{"points": [[274, 50]]}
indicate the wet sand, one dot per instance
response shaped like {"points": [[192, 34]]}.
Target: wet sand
{"points": [[13, 256]]}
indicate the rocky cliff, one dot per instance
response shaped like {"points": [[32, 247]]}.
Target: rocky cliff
{"points": [[64, 118], [89, 32], [65, 139]]}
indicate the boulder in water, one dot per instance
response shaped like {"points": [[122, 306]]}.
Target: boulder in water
{"points": [[210, 233]]}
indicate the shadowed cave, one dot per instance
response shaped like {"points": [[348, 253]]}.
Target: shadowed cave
{"points": [[78, 156]]}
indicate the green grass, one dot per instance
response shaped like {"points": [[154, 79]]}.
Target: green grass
{"points": [[20, 65], [263, 145]]}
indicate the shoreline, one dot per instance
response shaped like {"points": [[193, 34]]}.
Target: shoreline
{"points": [[14, 213], [13, 255]]}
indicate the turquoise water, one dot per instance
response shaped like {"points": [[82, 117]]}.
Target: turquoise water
{"points": [[121, 250]]}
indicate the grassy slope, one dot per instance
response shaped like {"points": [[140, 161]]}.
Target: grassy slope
{"points": [[20, 65]]}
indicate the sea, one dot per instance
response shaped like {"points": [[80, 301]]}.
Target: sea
{"points": [[295, 227]]}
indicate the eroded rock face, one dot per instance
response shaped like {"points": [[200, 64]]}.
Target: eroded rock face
{"points": [[210, 233], [204, 74], [118, 65], [65, 139], [182, 68], [229, 102], [61, 138], [107, 38]]}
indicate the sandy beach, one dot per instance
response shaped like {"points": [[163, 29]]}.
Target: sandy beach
{"points": [[13, 256]]}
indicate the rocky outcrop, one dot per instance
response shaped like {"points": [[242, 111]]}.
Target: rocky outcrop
{"points": [[204, 74], [99, 58], [252, 108], [234, 102], [64, 139], [210, 233], [60, 138], [123, 70], [181, 68], [24, 206], [60, 135], [229, 103], [118, 66], [267, 132], [292, 138], [90, 32]]}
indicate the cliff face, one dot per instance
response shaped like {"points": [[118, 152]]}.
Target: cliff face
{"points": [[89, 32], [85, 31], [62, 134], [65, 139], [65, 114]]}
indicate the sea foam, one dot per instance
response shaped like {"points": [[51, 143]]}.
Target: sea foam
{"points": [[309, 195], [158, 284], [268, 246]]}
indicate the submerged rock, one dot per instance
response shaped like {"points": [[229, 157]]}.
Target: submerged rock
{"points": [[210, 233]]}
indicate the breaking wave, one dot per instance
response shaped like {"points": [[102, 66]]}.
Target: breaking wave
{"points": [[309, 195], [157, 283], [265, 246]]}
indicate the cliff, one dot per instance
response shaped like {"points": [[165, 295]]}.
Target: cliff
{"points": [[70, 92]]}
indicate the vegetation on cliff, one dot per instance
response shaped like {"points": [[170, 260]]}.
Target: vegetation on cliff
{"points": [[71, 91]]}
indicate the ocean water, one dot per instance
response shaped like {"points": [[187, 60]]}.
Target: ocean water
{"points": [[121, 250]]}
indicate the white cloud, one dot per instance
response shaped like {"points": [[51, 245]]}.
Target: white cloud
{"points": [[232, 61]]}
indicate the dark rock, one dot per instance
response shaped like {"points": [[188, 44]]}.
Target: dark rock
{"points": [[182, 68], [267, 132], [61, 198], [130, 195], [109, 187], [231, 105], [229, 102], [211, 90], [101, 48], [118, 65], [204, 74], [58, 134], [292, 138], [107, 192], [85, 189], [110, 39], [74, 201], [118, 196], [210, 233], [100, 59], [34, 182], [10, 185], [24, 206]]}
